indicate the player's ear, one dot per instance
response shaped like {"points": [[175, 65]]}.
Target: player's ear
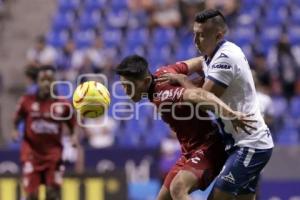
{"points": [[219, 35], [148, 79]]}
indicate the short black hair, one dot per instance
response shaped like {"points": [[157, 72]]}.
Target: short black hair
{"points": [[204, 15], [31, 72], [41, 39], [44, 68], [215, 16], [133, 66]]}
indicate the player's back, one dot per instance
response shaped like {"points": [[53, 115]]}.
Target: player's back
{"points": [[193, 126]]}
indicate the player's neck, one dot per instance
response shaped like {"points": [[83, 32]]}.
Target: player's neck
{"points": [[150, 83], [43, 96], [216, 48]]}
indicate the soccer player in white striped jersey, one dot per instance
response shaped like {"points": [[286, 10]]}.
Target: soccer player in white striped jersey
{"points": [[228, 76]]}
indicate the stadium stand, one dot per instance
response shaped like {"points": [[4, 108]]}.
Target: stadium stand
{"points": [[124, 32]]}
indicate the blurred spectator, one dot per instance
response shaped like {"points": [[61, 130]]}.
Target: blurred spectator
{"points": [[189, 9], [65, 59], [31, 78], [283, 60], [264, 100], [295, 106], [97, 55], [101, 131], [166, 13], [229, 8], [41, 53], [281, 105], [138, 15], [262, 71]]}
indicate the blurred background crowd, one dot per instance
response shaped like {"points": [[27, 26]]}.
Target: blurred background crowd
{"points": [[92, 36]]}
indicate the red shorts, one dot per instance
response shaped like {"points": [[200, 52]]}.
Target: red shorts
{"points": [[49, 173], [205, 164]]}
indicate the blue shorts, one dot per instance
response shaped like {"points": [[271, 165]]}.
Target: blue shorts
{"points": [[241, 170]]}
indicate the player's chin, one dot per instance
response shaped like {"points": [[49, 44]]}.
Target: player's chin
{"points": [[136, 98]]}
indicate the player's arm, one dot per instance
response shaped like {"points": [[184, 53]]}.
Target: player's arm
{"points": [[193, 65], [209, 101], [72, 126], [20, 115]]}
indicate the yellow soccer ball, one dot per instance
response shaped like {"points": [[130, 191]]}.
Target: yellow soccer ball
{"points": [[91, 99]]}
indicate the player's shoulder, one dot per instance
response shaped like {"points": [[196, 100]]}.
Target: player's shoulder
{"points": [[164, 69], [171, 68], [28, 97], [229, 51], [228, 56]]}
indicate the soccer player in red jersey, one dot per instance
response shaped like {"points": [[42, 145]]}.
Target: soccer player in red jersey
{"points": [[202, 150], [41, 148]]}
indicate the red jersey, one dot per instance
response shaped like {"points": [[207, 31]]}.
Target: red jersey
{"points": [[192, 132], [44, 121]]}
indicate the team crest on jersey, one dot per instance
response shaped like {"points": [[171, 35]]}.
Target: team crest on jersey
{"points": [[35, 106], [59, 109], [223, 55]]}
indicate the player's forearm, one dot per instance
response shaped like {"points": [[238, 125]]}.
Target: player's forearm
{"points": [[16, 122], [186, 83], [194, 64], [208, 101]]}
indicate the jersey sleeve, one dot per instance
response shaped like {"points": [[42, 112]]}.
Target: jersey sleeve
{"points": [[20, 112], [177, 68], [222, 70]]}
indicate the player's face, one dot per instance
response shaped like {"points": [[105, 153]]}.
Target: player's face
{"points": [[205, 37], [134, 88], [45, 79]]}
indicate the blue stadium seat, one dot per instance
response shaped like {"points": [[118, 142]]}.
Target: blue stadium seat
{"points": [[295, 3], [162, 55], [269, 37], [68, 5], [247, 18], [112, 37], [295, 17], [133, 49], [288, 135], [138, 36], [185, 52], [243, 35], [251, 4], [279, 3], [57, 39], [275, 17], [163, 36], [117, 4], [117, 18], [63, 22], [89, 21], [294, 35], [92, 5], [295, 107], [84, 39]]}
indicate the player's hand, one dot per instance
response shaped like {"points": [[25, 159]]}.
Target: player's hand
{"points": [[15, 136], [243, 121], [171, 78], [74, 141]]}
